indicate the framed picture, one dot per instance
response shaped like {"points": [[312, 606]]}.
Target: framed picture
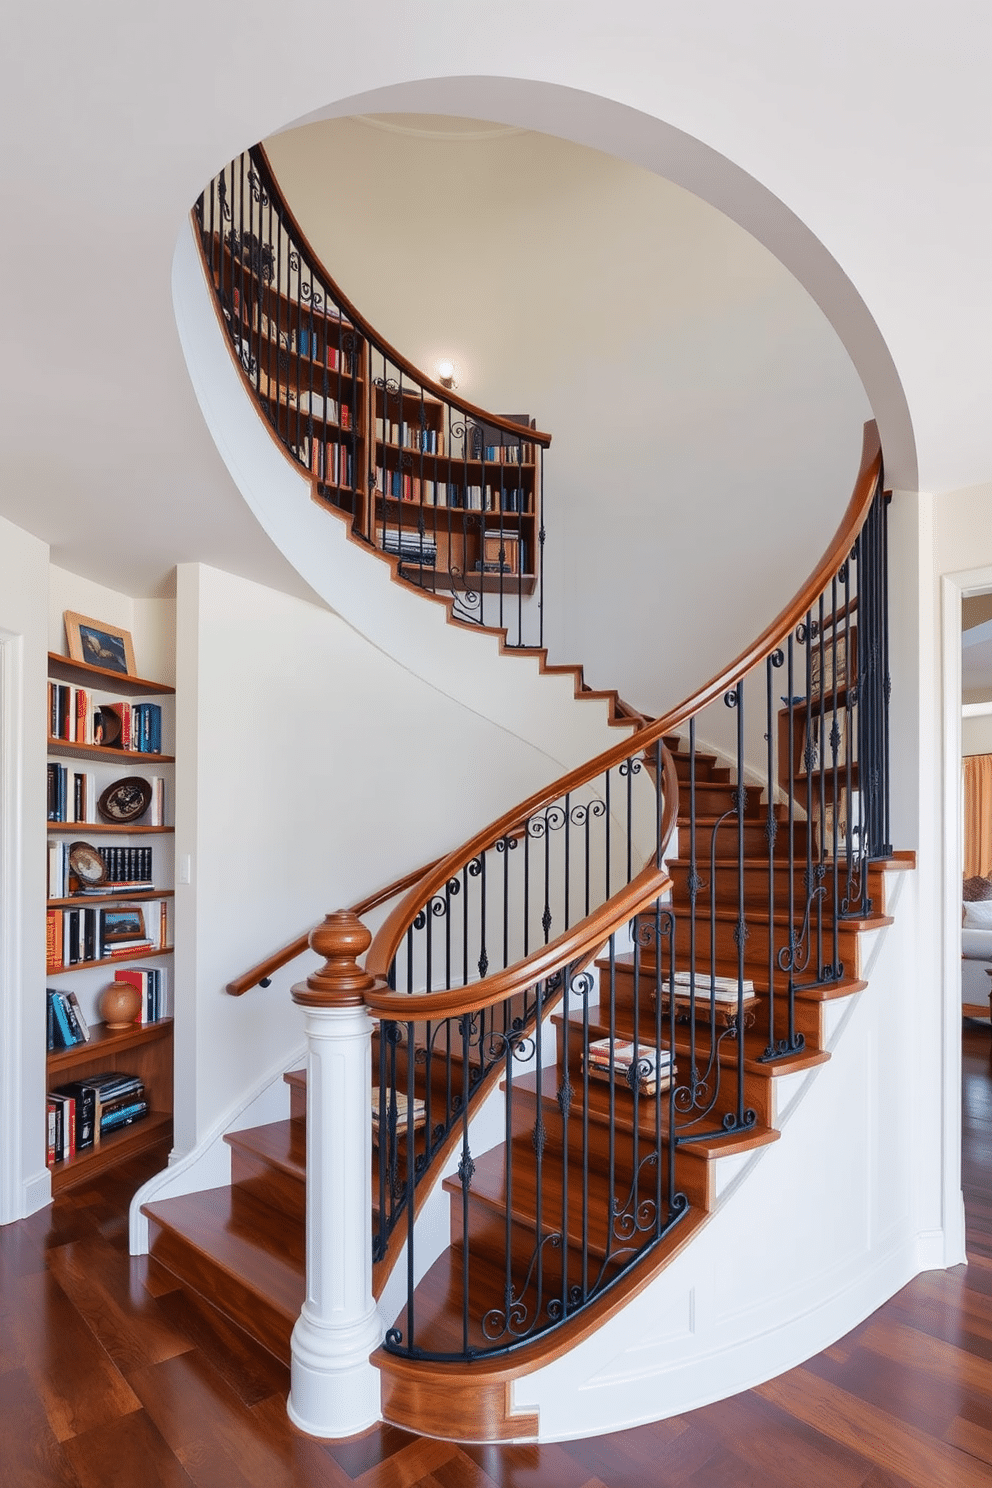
{"points": [[832, 662], [99, 644], [122, 924]]}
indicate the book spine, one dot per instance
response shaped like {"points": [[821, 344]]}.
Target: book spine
{"points": [[62, 1022]]}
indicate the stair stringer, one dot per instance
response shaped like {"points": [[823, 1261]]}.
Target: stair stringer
{"points": [[540, 705], [808, 1237]]}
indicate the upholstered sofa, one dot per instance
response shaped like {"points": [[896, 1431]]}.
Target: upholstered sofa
{"points": [[976, 946]]}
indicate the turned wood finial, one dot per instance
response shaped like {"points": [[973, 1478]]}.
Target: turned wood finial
{"points": [[340, 938]]}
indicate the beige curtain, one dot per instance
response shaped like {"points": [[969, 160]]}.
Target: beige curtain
{"points": [[977, 815]]}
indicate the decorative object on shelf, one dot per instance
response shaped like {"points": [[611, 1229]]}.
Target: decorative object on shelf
{"points": [[122, 924], [87, 864], [125, 800], [99, 644], [119, 1005]]}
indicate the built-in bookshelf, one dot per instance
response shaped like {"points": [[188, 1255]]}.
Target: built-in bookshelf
{"points": [[449, 491], [110, 897]]}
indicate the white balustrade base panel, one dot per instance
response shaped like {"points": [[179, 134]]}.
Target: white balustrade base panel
{"points": [[810, 1236]]}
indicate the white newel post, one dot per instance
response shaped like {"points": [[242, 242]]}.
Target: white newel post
{"points": [[334, 1390]]}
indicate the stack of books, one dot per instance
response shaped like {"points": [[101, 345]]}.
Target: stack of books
{"points": [[608, 1059], [419, 1112], [83, 1111], [410, 547]]}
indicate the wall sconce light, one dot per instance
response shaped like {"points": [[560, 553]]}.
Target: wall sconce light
{"points": [[446, 374]]}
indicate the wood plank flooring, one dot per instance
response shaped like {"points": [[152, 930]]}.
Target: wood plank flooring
{"points": [[113, 1376]]}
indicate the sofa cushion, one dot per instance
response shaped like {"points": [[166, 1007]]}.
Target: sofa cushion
{"points": [[976, 889]]}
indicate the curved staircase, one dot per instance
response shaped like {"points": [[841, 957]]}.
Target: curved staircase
{"points": [[656, 896]]}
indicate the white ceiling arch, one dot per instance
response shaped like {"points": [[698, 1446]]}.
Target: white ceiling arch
{"points": [[642, 139]]}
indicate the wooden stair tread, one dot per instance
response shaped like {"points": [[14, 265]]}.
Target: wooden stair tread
{"points": [[718, 1143], [754, 1043], [281, 1144], [488, 1188], [827, 992], [244, 1239]]}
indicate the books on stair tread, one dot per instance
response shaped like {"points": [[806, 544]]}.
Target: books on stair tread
{"points": [[654, 1067], [720, 988], [419, 1111]]}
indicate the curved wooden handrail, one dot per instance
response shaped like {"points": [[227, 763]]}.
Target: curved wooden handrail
{"points": [[495, 420], [575, 944], [279, 959], [390, 934]]}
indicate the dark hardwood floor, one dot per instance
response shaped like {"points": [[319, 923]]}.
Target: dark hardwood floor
{"points": [[112, 1376]]}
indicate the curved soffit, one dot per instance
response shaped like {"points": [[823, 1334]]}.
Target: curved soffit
{"points": [[645, 140]]}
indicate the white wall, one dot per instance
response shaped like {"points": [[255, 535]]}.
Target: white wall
{"points": [[311, 770], [696, 394], [24, 1179], [151, 622], [976, 734]]}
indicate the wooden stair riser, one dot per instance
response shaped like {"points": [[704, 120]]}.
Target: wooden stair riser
{"points": [[297, 1082], [488, 1196], [808, 1014], [722, 886], [715, 797], [284, 1190], [694, 1176], [756, 945], [707, 770], [250, 1309], [487, 1236], [725, 838]]}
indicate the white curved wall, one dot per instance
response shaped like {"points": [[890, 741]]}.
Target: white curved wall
{"points": [[706, 418]]}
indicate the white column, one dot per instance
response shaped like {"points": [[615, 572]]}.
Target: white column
{"points": [[334, 1389]]}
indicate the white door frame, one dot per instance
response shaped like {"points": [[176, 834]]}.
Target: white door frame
{"points": [[11, 925], [954, 588]]}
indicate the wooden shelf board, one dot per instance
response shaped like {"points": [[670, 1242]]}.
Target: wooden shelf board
{"points": [[75, 900], [103, 751], [110, 961], [112, 1149], [390, 456], [101, 829], [104, 1041], [63, 669], [472, 583]]}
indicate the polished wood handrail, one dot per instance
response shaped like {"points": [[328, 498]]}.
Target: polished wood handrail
{"points": [[267, 968], [577, 944], [494, 420], [390, 934]]}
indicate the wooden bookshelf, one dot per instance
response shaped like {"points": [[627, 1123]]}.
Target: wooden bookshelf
{"points": [[144, 1050]]}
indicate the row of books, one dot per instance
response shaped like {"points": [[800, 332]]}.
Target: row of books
{"points": [[283, 387], [82, 1112], [127, 870], [410, 436], [330, 462], [76, 718], [432, 442], [402, 486], [66, 1025], [330, 410], [73, 797], [102, 933]]}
